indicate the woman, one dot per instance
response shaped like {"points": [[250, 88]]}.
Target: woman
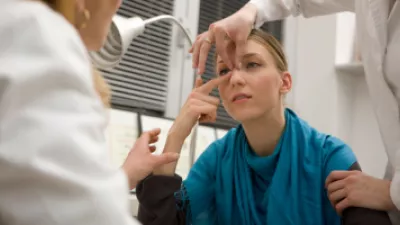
{"points": [[378, 32], [269, 170], [54, 167]]}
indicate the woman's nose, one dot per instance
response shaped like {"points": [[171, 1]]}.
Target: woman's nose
{"points": [[237, 77]]}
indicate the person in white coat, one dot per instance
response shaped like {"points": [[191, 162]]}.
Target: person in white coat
{"points": [[378, 30], [54, 164]]}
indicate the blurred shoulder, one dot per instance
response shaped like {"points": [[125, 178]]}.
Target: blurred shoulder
{"points": [[33, 24], [39, 44]]}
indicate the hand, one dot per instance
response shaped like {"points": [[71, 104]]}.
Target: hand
{"points": [[140, 161], [354, 188], [233, 29], [199, 106]]}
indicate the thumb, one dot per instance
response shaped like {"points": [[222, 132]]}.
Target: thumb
{"points": [[240, 48], [166, 158], [145, 137]]}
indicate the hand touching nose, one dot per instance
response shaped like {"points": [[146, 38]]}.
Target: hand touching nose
{"points": [[233, 30], [199, 106]]}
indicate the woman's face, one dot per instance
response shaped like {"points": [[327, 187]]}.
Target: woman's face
{"points": [[256, 87], [101, 13]]}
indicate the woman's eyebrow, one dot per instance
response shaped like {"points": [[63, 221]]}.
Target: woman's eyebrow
{"points": [[247, 55]]}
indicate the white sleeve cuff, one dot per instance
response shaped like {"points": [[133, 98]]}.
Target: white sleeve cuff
{"points": [[270, 10], [261, 17]]}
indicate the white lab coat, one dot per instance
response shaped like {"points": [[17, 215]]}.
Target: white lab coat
{"points": [[54, 168], [378, 29]]}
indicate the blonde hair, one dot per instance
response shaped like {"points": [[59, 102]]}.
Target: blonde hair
{"points": [[102, 88], [67, 9], [272, 45]]}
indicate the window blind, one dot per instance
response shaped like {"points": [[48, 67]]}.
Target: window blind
{"points": [[211, 11], [139, 82]]}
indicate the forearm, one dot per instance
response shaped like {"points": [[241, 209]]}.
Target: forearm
{"points": [[267, 10], [131, 180], [364, 216], [157, 201], [270, 10], [174, 143]]}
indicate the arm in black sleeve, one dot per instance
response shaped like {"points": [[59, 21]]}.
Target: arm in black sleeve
{"points": [[364, 216], [157, 203]]}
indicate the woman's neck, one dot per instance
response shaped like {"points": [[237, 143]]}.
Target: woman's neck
{"points": [[263, 133]]}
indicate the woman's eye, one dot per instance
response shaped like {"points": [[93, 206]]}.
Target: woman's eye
{"points": [[252, 65], [223, 72]]}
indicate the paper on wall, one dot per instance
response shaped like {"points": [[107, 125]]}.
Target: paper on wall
{"points": [[122, 134], [205, 136]]}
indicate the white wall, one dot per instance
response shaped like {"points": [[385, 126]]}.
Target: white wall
{"points": [[332, 101], [315, 87], [365, 136]]}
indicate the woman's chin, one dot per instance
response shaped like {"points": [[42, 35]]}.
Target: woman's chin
{"points": [[243, 115]]}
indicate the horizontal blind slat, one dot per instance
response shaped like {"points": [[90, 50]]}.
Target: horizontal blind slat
{"points": [[131, 94], [143, 75], [144, 84]]}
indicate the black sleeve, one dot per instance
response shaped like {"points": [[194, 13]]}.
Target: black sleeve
{"points": [[157, 204], [363, 216]]}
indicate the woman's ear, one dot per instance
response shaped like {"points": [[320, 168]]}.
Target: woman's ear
{"points": [[80, 5], [286, 82], [79, 10]]}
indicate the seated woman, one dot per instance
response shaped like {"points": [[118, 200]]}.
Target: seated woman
{"points": [[269, 170]]}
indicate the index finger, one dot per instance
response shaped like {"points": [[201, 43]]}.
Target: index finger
{"points": [[211, 84], [146, 136], [337, 175], [154, 132], [198, 82]]}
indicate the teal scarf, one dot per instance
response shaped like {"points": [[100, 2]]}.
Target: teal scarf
{"points": [[230, 185]]}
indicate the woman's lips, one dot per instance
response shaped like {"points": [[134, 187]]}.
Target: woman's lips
{"points": [[241, 97]]}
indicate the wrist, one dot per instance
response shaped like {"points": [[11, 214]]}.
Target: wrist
{"points": [[250, 11], [176, 134], [132, 181]]}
